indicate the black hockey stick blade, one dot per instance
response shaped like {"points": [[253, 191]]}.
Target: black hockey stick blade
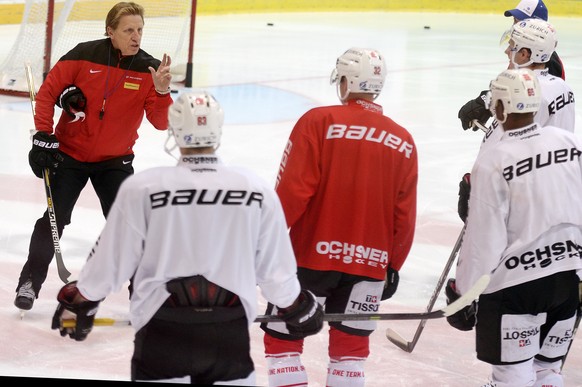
{"points": [[450, 309]]}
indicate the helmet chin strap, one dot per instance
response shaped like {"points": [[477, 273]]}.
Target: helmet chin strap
{"points": [[167, 145], [341, 97], [494, 112]]}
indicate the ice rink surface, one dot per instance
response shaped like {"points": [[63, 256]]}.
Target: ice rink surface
{"points": [[266, 76]]}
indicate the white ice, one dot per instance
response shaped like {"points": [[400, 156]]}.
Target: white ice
{"points": [[266, 77]]}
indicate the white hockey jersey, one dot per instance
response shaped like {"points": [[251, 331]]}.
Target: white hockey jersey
{"points": [[557, 108], [200, 217], [525, 217]]}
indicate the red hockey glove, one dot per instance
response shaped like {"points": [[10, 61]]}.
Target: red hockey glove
{"points": [[466, 318], [72, 305]]}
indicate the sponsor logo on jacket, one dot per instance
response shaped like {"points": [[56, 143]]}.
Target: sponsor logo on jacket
{"points": [[543, 256], [131, 86], [350, 253]]}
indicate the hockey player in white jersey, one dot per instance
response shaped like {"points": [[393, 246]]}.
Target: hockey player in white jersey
{"points": [[525, 229], [196, 239], [531, 44]]}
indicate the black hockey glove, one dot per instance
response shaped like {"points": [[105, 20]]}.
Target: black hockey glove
{"points": [[72, 100], [464, 319], [71, 308], [464, 194], [475, 109], [304, 317], [391, 284], [44, 153]]}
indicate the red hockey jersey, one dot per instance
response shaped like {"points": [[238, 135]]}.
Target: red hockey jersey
{"points": [[119, 90], [348, 185]]}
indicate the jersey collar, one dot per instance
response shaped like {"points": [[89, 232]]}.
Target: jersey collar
{"points": [[195, 160], [366, 105], [520, 133]]}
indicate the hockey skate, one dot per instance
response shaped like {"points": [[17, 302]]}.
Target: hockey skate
{"points": [[25, 296]]}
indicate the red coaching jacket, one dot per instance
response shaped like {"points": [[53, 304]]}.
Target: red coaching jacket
{"points": [[121, 86], [347, 182]]}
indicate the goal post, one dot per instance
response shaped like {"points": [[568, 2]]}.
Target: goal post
{"points": [[50, 28]]}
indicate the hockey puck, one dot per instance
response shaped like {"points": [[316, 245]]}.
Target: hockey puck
{"points": [[427, 27], [270, 24]]}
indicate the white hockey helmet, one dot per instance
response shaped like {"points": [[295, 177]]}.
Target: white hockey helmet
{"points": [[538, 36], [518, 90], [196, 120], [364, 69]]}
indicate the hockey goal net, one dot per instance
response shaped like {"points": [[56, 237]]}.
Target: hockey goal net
{"points": [[50, 28]]}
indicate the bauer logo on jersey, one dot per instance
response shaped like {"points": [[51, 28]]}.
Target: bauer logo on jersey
{"points": [[131, 86], [349, 253], [527, 165], [560, 102], [363, 133], [205, 197]]}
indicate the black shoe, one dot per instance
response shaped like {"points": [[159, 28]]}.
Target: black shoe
{"points": [[25, 296]]}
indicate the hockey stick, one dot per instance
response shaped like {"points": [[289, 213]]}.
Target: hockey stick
{"points": [[450, 309], [64, 274], [477, 124], [398, 340]]}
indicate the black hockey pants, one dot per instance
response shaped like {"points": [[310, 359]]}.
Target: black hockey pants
{"points": [[66, 185]]}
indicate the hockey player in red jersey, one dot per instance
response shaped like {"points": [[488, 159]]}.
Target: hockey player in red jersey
{"points": [[525, 229], [197, 239], [117, 84], [348, 184]]}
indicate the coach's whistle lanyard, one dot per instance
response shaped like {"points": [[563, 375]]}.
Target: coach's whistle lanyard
{"points": [[107, 93]]}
